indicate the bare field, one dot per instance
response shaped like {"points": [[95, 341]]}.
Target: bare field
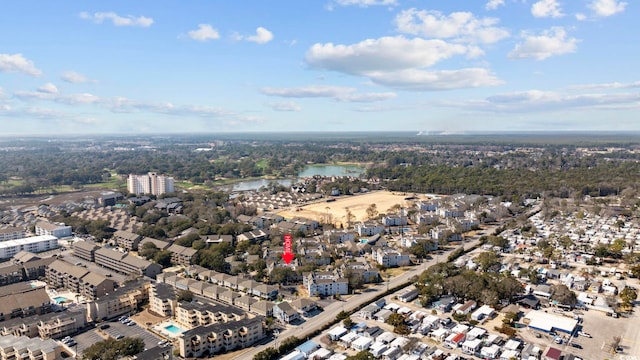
{"points": [[336, 211]]}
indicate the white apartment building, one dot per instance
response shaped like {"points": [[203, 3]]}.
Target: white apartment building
{"points": [[34, 244], [11, 233], [58, 230], [151, 183]]}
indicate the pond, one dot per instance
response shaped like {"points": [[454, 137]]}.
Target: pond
{"points": [[309, 170]]}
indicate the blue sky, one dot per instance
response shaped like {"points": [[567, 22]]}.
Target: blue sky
{"points": [[155, 66]]}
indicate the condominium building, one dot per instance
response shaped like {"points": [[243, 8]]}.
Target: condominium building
{"points": [[62, 274], [126, 264], [59, 325], [151, 183], [162, 299], [325, 284], [123, 300], [22, 347], [58, 230], [11, 233], [22, 299], [193, 314], [32, 244], [215, 338]]}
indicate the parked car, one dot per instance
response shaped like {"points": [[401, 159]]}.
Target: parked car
{"points": [[582, 333], [119, 337], [576, 345], [131, 323], [104, 326]]}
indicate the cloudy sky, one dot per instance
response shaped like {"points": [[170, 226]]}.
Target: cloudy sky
{"points": [[156, 66]]}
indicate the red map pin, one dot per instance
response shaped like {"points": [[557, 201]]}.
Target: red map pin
{"points": [[287, 256]]}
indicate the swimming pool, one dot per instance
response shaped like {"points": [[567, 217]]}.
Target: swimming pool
{"points": [[173, 329], [60, 299]]}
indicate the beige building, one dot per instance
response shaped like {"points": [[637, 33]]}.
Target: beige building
{"points": [[12, 233], [24, 348], [59, 325], [21, 299], [162, 299], [193, 314], [215, 338], [181, 255], [152, 183], [123, 300], [126, 264], [61, 274]]}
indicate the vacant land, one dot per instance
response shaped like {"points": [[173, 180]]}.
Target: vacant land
{"points": [[335, 212]]}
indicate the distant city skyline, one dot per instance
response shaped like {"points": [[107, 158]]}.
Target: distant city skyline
{"points": [[153, 67]]}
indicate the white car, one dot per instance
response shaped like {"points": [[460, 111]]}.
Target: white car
{"points": [[582, 333]]}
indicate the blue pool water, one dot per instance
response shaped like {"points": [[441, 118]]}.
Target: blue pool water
{"points": [[173, 329], [60, 299]]}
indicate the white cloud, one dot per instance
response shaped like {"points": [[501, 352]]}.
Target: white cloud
{"points": [[262, 36], [546, 8], [116, 19], [494, 4], [581, 17], [366, 3], [204, 33], [339, 93], [613, 85], [607, 7], [548, 101], [421, 80], [284, 106], [11, 63], [383, 54], [458, 25], [75, 78], [549, 43], [48, 88]]}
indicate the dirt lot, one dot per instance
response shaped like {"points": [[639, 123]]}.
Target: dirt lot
{"points": [[336, 210]]}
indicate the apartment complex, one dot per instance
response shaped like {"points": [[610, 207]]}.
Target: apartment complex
{"points": [[58, 230], [21, 299], [61, 274], [123, 300], [126, 264], [193, 314], [32, 244], [162, 299], [22, 347], [11, 233], [325, 284], [151, 183], [220, 337]]}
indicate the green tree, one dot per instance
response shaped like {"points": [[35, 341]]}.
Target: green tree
{"points": [[372, 211], [163, 258], [148, 250], [395, 319], [184, 295], [348, 323], [112, 349], [267, 354], [628, 296], [488, 260], [562, 294], [362, 355], [342, 315]]}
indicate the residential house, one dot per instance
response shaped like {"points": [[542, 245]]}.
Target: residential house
{"points": [[304, 306], [285, 313]]}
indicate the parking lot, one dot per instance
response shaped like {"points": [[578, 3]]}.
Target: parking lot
{"points": [[115, 328]]}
